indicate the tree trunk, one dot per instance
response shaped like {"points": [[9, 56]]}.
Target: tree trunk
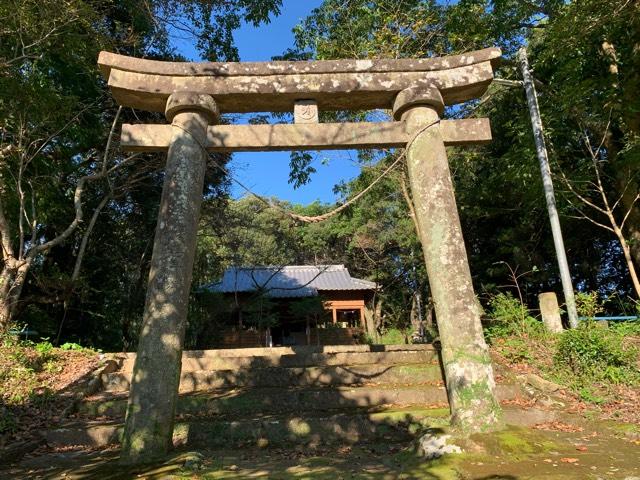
{"points": [[632, 224], [370, 324], [467, 365], [627, 256], [13, 280], [627, 187], [377, 315], [6, 281], [413, 316]]}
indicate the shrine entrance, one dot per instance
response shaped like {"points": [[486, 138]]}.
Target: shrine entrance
{"points": [[192, 96]]}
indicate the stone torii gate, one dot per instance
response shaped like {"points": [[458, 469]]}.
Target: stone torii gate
{"points": [[192, 95]]}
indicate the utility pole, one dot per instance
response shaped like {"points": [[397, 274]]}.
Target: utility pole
{"points": [[536, 125]]}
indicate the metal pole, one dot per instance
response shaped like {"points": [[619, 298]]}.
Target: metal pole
{"points": [[536, 125]]}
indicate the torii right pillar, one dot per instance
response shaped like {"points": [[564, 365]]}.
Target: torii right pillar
{"points": [[465, 356]]}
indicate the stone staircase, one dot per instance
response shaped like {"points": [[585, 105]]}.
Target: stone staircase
{"points": [[280, 396]]}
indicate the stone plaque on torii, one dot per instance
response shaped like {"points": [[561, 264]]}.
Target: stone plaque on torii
{"points": [[192, 95]]}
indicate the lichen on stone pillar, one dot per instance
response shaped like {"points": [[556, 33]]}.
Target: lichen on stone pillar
{"points": [[156, 374], [465, 356]]}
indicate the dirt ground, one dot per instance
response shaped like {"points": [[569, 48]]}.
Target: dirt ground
{"points": [[573, 448], [568, 439]]}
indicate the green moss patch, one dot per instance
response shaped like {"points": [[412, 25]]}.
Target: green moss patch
{"points": [[514, 441]]}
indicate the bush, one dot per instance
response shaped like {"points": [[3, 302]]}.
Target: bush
{"points": [[626, 328], [392, 336], [510, 317], [591, 353], [588, 304], [43, 348]]}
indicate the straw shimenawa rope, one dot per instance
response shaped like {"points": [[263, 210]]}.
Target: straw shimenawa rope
{"points": [[331, 213]]}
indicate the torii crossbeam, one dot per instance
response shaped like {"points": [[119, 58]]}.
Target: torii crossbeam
{"points": [[193, 95]]}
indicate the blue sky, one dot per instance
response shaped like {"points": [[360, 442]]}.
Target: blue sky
{"points": [[267, 173]]}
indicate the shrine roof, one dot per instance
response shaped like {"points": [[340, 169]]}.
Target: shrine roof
{"points": [[289, 281]]}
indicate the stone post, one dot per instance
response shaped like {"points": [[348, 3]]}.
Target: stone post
{"points": [[550, 312], [156, 374], [465, 356]]}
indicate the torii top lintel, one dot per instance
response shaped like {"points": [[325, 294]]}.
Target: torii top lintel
{"points": [[275, 86]]}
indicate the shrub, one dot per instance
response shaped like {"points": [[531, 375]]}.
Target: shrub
{"points": [[510, 317], [626, 328], [591, 353], [588, 304], [44, 348], [71, 346], [392, 336]]}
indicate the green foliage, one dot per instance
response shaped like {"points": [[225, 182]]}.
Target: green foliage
{"points": [[591, 353], [588, 304], [76, 347], [309, 307], [260, 312], [300, 169], [392, 336], [509, 317], [626, 329], [8, 421], [51, 90], [515, 349], [44, 347], [55, 116]]}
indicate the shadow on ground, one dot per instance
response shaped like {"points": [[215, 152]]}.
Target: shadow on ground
{"points": [[289, 418]]}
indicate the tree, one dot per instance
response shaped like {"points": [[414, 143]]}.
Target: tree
{"points": [[594, 194], [54, 130]]}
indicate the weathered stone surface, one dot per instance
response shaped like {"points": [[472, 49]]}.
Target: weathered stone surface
{"points": [[278, 93], [434, 445], [241, 401], [322, 136], [416, 96], [156, 373], [198, 380], [108, 60], [306, 360], [467, 365], [305, 111], [285, 430], [550, 312], [541, 384], [273, 86], [192, 102]]}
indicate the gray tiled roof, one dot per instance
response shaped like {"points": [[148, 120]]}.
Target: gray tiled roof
{"points": [[289, 281]]}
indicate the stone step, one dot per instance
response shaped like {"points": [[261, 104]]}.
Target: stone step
{"points": [[281, 400], [291, 377], [301, 349], [213, 360], [347, 427]]}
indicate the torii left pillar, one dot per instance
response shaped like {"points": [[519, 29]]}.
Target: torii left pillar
{"points": [[156, 374]]}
